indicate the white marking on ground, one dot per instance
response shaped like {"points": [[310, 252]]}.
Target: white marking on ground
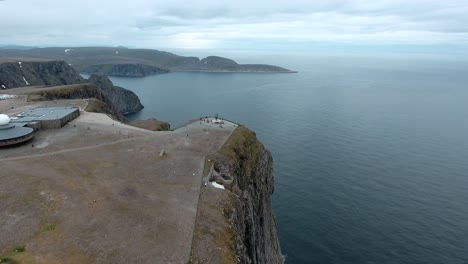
{"points": [[42, 145]]}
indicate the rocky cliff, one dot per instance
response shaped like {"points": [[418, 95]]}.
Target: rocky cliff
{"points": [[237, 225], [125, 101], [135, 62], [17, 73], [100, 104], [34, 73]]}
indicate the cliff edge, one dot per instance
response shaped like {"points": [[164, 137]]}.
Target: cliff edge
{"points": [[39, 74], [124, 100], [237, 224]]}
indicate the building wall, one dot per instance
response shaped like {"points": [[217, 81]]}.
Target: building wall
{"points": [[58, 123], [17, 140]]}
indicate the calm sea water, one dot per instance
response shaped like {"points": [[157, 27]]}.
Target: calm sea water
{"points": [[370, 154]]}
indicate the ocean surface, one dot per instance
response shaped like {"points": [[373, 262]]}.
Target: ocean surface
{"points": [[370, 153]]}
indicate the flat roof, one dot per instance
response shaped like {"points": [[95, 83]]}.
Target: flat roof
{"points": [[15, 132], [43, 113]]}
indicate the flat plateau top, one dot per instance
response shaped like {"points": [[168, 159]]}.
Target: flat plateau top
{"points": [[97, 191]]}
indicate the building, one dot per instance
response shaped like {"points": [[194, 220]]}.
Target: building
{"points": [[21, 127], [11, 134], [46, 117]]}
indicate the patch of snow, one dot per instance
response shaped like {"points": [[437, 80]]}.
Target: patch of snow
{"points": [[216, 185], [116, 52], [19, 62], [69, 64], [67, 50], [3, 86], [25, 81], [7, 96]]}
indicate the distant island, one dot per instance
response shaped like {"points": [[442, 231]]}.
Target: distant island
{"points": [[123, 61]]}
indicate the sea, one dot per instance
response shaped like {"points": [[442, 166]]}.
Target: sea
{"points": [[370, 152]]}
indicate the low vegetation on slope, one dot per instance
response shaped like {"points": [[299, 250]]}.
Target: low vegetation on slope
{"points": [[237, 225], [99, 103]]}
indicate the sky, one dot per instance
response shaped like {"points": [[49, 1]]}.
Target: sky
{"points": [[295, 25]]}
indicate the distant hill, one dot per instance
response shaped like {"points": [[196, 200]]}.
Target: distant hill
{"points": [[17, 47], [122, 61]]}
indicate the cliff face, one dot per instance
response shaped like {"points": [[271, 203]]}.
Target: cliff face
{"points": [[101, 104], [237, 225], [35, 73], [124, 100], [125, 70], [135, 62]]}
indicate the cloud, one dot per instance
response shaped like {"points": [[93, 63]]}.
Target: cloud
{"points": [[229, 24]]}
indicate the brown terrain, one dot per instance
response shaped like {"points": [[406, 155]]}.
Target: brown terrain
{"points": [[98, 191]]}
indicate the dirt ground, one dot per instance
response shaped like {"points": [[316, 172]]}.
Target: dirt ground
{"points": [[97, 191]]}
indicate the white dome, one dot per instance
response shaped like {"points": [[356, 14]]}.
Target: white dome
{"points": [[4, 120]]}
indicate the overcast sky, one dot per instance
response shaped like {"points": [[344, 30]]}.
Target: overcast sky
{"points": [[241, 24]]}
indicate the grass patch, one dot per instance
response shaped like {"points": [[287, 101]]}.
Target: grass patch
{"points": [[7, 260], [97, 106], [48, 228], [19, 249]]}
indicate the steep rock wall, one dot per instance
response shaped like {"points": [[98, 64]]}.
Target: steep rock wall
{"points": [[37, 73], [81, 91], [124, 100], [237, 225]]}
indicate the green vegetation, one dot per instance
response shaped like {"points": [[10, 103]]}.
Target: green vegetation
{"points": [[75, 91], [18, 249], [47, 228], [97, 106], [244, 150], [7, 260]]}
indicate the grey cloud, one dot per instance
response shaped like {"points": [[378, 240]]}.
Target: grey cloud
{"points": [[211, 23]]}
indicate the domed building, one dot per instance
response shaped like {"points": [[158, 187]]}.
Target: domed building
{"points": [[11, 134]]}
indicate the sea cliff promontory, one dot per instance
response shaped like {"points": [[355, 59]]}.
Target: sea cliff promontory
{"points": [[101, 191], [127, 62]]}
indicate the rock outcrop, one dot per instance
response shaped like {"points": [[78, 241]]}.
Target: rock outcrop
{"points": [[125, 101], [101, 104], [37, 73], [151, 124], [237, 225]]}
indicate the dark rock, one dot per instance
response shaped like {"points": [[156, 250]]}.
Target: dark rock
{"points": [[238, 225], [125, 101], [98, 102], [37, 73]]}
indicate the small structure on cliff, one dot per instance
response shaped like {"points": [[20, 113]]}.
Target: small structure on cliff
{"points": [[11, 134]]}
